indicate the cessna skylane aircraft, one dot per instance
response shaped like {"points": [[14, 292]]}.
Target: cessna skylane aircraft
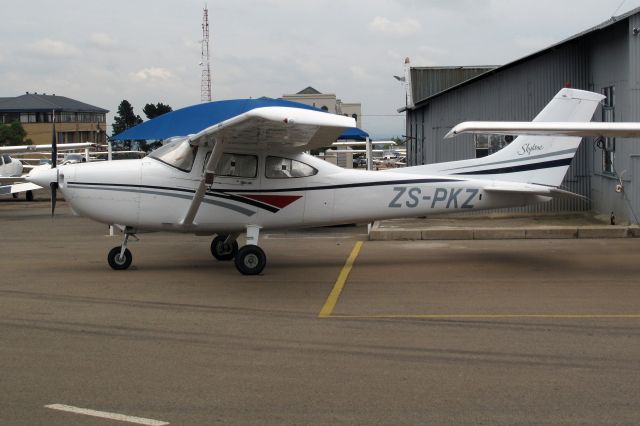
{"points": [[239, 166], [11, 168]]}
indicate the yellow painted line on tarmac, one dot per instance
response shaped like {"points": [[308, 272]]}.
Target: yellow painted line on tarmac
{"points": [[327, 309], [492, 316]]}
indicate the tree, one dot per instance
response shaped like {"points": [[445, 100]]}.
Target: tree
{"points": [[125, 119], [13, 134], [399, 141], [152, 111]]}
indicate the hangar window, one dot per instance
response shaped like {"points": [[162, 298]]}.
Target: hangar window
{"points": [[237, 165], [282, 168], [489, 144]]}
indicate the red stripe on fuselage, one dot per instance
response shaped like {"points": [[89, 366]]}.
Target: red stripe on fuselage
{"points": [[280, 201]]}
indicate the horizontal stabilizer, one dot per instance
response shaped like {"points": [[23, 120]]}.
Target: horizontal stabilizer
{"points": [[620, 130], [19, 187], [46, 148], [536, 190]]}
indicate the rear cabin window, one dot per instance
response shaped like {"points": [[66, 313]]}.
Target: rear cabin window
{"points": [[237, 165], [283, 168]]}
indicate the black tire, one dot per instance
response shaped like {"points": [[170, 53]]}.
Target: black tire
{"points": [[222, 251], [250, 260], [29, 196], [116, 262], [14, 195]]}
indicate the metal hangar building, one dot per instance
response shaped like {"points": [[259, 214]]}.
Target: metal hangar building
{"points": [[604, 59]]}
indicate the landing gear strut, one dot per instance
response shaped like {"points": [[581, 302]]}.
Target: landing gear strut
{"points": [[120, 257], [251, 259]]}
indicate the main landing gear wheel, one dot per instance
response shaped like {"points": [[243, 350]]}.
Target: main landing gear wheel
{"points": [[222, 251], [250, 260], [118, 262], [29, 196]]}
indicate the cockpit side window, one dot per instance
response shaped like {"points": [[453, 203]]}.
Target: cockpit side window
{"points": [[178, 153], [283, 168], [237, 165], [7, 159]]}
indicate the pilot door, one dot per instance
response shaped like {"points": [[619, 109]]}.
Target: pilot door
{"points": [[234, 175]]}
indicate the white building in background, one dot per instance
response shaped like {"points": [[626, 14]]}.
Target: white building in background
{"points": [[328, 102]]}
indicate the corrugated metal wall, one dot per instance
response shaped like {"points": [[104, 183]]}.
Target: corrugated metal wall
{"points": [[519, 91], [632, 197], [427, 81]]}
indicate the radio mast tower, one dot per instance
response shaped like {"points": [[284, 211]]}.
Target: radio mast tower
{"points": [[205, 82]]}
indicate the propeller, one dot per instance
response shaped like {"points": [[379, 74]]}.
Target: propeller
{"points": [[54, 164]]}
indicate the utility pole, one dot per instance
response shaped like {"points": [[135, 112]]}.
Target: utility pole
{"points": [[205, 83]]}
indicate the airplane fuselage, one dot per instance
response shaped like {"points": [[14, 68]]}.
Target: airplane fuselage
{"points": [[149, 195], [10, 167]]}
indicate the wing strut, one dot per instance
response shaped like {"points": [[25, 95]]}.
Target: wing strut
{"points": [[214, 158]]}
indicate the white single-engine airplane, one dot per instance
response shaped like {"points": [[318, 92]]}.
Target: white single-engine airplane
{"points": [[248, 172], [11, 178]]}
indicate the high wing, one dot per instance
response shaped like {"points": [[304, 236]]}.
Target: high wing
{"points": [[28, 148], [293, 129], [273, 128], [620, 130]]}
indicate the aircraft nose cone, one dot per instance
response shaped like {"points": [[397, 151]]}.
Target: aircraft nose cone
{"points": [[42, 176]]}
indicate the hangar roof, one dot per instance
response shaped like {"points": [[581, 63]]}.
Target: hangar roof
{"points": [[611, 21]]}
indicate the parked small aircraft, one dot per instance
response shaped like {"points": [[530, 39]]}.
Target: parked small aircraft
{"points": [[248, 171], [11, 168]]}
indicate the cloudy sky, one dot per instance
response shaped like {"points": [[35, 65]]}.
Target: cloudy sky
{"points": [[101, 52]]}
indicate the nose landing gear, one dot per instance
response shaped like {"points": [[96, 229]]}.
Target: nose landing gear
{"points": [[120, 257]]}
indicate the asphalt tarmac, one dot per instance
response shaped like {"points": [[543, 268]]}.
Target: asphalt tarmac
{"points": [[419, 332]]}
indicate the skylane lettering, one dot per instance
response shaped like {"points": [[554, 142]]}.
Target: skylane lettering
{"points": [[447, 198]]}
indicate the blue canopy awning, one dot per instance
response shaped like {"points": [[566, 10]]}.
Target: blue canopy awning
{"points": [[354, 134], [192, 119]]}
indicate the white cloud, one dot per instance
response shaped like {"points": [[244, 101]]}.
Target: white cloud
{"points": [[152, 74], [403, 28], [101, 40], [533, 43], [360, 74], [54, 48]]}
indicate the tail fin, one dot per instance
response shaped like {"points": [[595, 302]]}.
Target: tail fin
{"points": [[541, 160]]}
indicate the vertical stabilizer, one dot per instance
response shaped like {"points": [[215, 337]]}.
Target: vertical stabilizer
{"points": [[530, 159]]}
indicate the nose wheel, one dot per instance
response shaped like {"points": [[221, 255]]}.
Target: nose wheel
{"points": [[120, 257], [118, 260]]}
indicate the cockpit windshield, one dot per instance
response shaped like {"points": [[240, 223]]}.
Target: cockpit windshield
{"points": [[177, 152]]}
